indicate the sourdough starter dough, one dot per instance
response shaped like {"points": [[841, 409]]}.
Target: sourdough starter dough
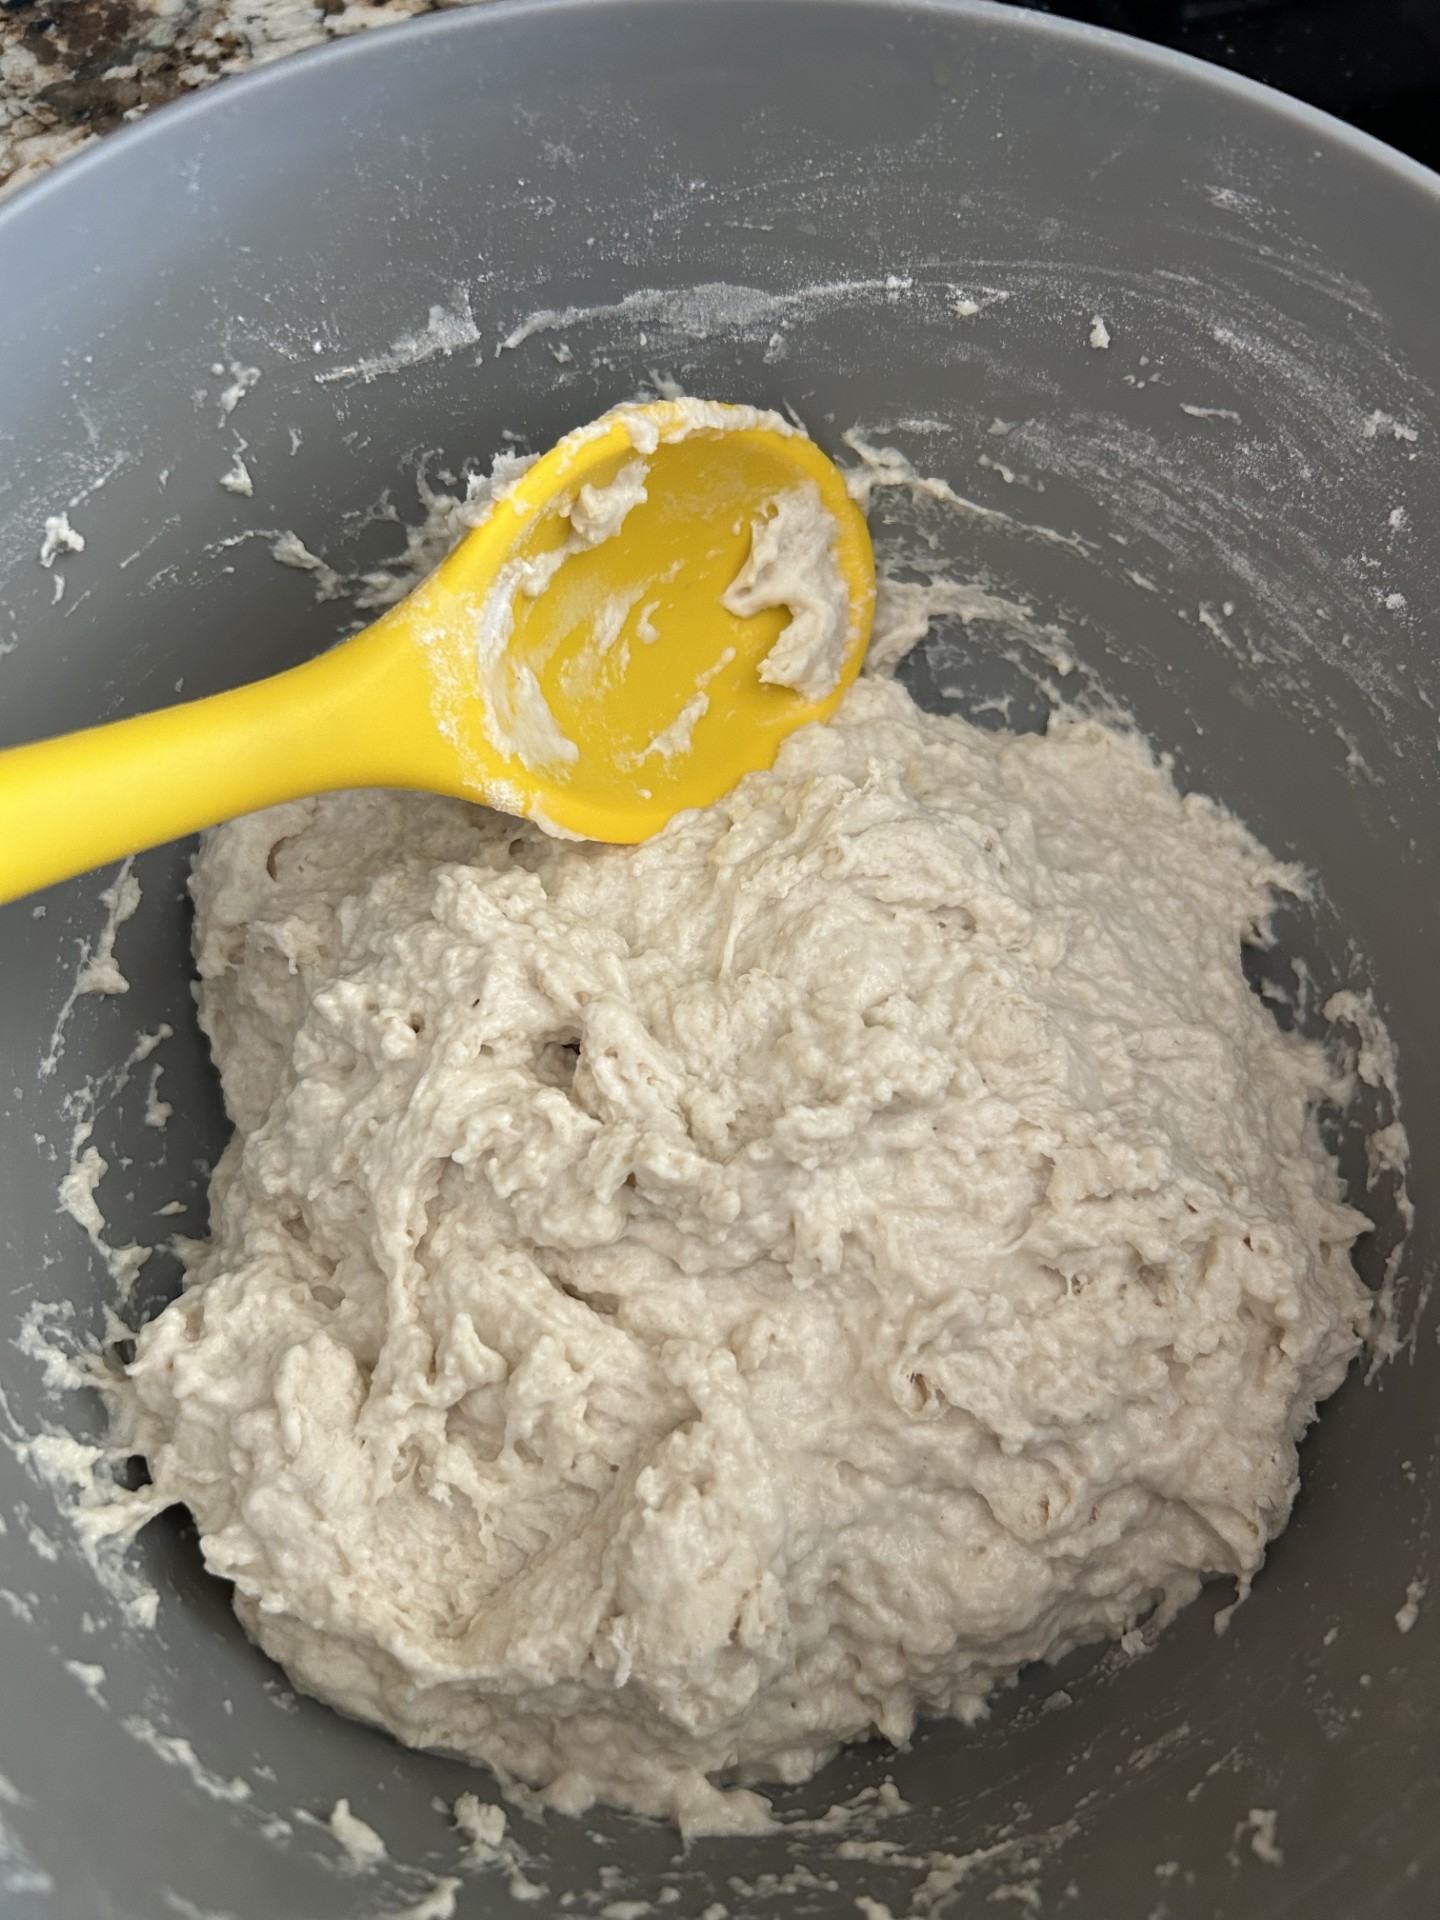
{"points": [[672, 1310]]}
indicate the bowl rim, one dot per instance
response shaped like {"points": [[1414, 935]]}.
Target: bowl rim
{"points": [[170, 121]]}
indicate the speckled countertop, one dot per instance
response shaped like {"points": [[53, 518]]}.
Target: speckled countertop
{"points": [[70, 70]]}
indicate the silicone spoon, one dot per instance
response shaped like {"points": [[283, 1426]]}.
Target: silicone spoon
{"points": [[573, 660]]}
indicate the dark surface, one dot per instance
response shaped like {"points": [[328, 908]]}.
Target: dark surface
{"points": [[1253, 262], [1375, 63]]}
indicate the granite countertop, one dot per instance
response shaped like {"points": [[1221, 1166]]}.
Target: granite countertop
{"points": [[70, 70]]}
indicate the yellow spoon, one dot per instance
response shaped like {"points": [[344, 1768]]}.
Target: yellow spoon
{"points": [[603, 651]]}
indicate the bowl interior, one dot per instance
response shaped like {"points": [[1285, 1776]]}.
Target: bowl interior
{"points": [[361, 270]]}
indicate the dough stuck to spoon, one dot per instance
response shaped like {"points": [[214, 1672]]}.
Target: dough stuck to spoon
{"points": [[643, 616]]}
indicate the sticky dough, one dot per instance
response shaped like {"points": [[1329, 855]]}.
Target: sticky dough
{"points": [[672, 1310]]}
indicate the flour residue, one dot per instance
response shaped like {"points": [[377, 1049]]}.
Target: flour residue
{"points": [[490, 1844], [291, 551], [176, 1751], [702, 311], [186, 1909], [447, 330], [679, 736], [437, 1904], [1371, 1056], [966, 303], [121, 900], [881, 468], [1261, 1824], [88, 1168], [243, 380], [362, 1844], [60, 537], [513, 709], [237, 478], [1409, 1612], [1378, 423]]}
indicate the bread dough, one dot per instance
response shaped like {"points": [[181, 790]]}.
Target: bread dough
{"points": [[674, 1309], [793, 563]]}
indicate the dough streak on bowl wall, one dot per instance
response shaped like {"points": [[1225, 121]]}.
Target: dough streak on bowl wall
{"points": [[673, 1310]]}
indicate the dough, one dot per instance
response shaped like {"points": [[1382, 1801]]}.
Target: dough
{"points": [[672, 1310], [793, 564]]}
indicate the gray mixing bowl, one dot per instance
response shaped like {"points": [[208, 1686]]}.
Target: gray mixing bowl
{"points": [[902, 219]]}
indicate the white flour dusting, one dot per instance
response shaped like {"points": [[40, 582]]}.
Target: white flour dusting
{"points": [[1261, 1823], [698, 312], [243, 380], [1409, 1613], [185, 1909], [176, 1751], [446, 331], [91, 1677], [1378, 424]]}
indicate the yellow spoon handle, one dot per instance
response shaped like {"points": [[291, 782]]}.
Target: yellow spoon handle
{"points": [[346, 719]]}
